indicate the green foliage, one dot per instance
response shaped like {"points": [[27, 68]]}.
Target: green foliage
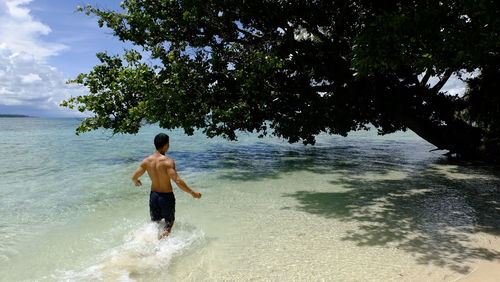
{"points": [[114, 89], [430, 36], [484, 101], [292, 68]]}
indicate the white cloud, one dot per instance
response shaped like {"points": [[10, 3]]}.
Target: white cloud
{"points": [[456, 85], [26, 80], [30, 78], [20, 32]]}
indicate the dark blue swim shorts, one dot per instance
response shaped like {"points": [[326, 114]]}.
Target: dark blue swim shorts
{"points": [[162, 205]]}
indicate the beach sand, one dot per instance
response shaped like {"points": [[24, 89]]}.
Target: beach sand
{"points": [[484, 272]]}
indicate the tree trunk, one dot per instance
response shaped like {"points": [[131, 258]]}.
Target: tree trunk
{"points": [[457, 136], [431, 115]]}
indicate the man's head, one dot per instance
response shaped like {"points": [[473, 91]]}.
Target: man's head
{"points": [[161, 142]]}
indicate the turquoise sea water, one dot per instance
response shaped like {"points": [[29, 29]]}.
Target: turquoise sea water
{"points": [[365, 207]]}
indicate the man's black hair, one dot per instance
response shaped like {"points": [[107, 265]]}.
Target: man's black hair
{"points": [[160, 140]]}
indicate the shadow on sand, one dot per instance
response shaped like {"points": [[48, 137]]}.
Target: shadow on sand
{"points": [[417, 202], [430, 213]]}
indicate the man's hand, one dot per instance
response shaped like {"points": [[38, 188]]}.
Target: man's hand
{"points": [[137, 182], [196, 194]]}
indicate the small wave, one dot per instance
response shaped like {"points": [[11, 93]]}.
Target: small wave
{"points": [[141, 254]]}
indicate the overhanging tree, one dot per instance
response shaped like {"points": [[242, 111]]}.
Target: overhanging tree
{"points": [[298, 68]]}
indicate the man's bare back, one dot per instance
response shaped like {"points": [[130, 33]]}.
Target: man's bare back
{"points": [[157, 166], [161, 170]]}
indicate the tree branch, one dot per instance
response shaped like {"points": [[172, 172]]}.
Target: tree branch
{"points": [[323, 88], [443, 80], [315, 31], [248, 33], [426, 77]]}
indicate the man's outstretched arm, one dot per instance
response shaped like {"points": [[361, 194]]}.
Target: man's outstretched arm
{"points": [[172, 173], [138, 172]]}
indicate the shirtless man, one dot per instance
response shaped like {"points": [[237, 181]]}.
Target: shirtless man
{"points": [[161, 169]]}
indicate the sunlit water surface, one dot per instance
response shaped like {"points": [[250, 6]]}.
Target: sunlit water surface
{"points": [[361, 208]]}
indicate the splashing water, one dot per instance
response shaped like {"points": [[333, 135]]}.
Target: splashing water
{"points": [[141, 254]]}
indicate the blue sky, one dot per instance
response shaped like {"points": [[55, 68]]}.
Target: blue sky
{"points": [[43, 43], [77, 31]]}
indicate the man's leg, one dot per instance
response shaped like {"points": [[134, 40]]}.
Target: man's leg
{"points": [[168, 226], [167, 229], [155, 209], [168, 212]]}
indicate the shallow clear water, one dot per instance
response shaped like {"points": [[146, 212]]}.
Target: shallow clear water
{"points": [[366, 207]]}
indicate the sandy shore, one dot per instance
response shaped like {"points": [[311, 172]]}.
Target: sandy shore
{"points": [[484, 272]]}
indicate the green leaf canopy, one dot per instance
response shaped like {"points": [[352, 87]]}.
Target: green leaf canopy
{"points": [[294, 68]]}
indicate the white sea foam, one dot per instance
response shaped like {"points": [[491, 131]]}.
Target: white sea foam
{"points": [[141, 254]]}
